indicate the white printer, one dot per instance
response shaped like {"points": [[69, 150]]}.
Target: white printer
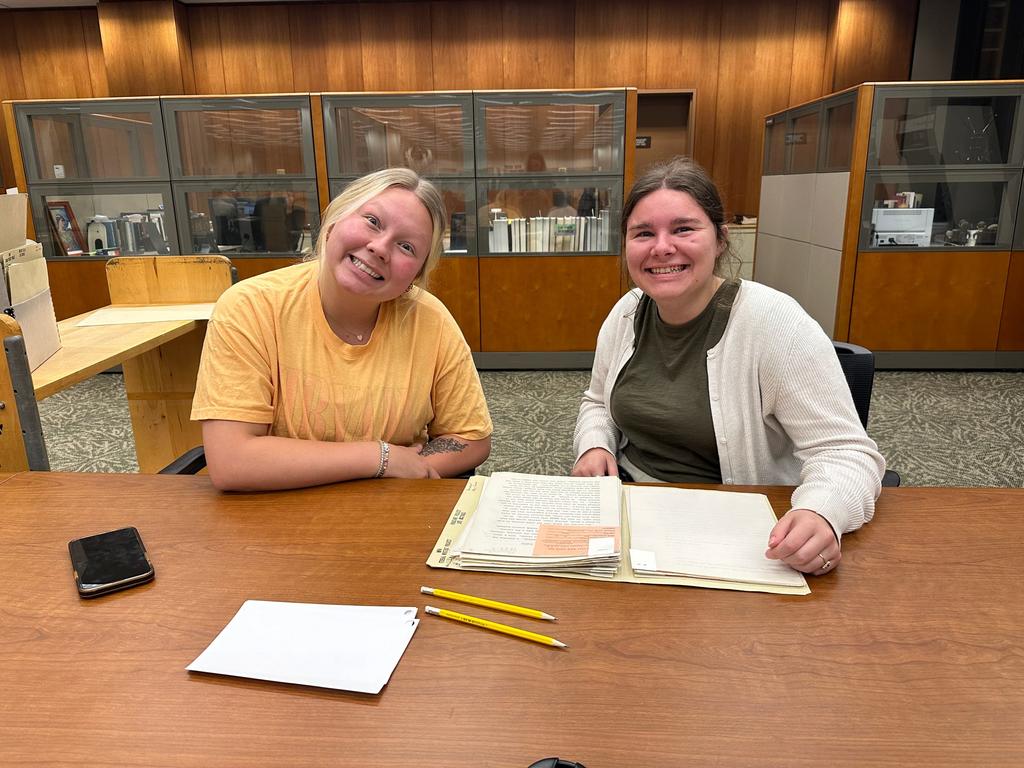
{"points": [[901, 227]]}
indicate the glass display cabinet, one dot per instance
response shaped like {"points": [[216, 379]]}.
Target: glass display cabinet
{"points": [[944, 167], [925, 255], [431, 133], [243, 174], [97, 175], [814, 138], [549, 171]]}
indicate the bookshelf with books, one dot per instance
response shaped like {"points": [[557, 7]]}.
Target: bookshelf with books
{"points": [[929, 270]]}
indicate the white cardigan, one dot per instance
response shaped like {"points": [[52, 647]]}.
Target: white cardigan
{"points": [[780, 405]]}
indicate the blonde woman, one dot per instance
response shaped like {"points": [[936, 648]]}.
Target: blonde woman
{"points": [[344, 367]]}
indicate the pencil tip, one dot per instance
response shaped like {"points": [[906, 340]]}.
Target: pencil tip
{"points": [[548, 617], [560, 644]]}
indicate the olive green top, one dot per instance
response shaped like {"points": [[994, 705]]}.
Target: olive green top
{"points": [[660, 399]]}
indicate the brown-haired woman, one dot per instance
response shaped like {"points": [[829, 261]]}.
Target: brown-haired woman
{"points": [[702, 379], [343, 367]]}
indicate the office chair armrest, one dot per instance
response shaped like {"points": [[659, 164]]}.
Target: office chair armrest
{"points": [[188, 463]]}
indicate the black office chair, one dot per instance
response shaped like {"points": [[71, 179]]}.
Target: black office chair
{"points": [[858, 364]]}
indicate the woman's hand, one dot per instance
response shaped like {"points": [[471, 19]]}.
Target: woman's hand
{"points": [[408, 463], [596, 462], [804, 540]]}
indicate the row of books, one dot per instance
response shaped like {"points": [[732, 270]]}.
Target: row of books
{"points": [[550, 234]]}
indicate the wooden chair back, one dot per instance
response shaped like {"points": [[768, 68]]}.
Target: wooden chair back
{"points": [[167, 279]]}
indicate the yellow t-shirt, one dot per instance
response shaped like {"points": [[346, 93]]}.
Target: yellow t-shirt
{"points": [[271, 358]]}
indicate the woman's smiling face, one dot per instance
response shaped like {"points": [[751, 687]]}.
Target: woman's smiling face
{"points": [[379, 249], [671, 250]]}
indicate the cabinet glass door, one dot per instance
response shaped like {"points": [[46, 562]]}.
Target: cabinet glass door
{"points": [[92, 140], [430, 133], [552, 134], [953, 209], [802, 138], [99, 221], [248, 217], [943, 125], [775, 145], [252, 137], [837, 143]]}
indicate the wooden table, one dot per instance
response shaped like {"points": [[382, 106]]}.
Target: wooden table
{"points": [[911, 654], [160, 359]]}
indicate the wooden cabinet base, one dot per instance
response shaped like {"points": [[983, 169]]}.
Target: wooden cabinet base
{"points": [[1011, 327], [545, 303], [928, 300], [456, 282]]}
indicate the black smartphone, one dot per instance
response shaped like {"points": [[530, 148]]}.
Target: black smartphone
{"points": [[110, 561]]}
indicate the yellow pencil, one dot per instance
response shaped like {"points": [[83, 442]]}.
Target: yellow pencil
{"points": [[492, 625], [507, 607]]}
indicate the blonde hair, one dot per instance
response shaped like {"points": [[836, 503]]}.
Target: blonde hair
{"points": [[364, 189]]}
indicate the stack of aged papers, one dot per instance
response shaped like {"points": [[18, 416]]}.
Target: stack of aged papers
{"points": [[703, 534], [348, 647], [529, 523], [596, 528]]}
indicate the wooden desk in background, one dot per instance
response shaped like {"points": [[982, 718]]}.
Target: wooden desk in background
{"points": [[160, 360], [910, 654]]}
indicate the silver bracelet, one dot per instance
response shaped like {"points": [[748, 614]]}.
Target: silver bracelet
{"points": [[385, 454]]}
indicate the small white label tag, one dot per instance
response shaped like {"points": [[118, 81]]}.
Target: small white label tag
{"points": [[58, 171], [599, 546], [642, 560]]}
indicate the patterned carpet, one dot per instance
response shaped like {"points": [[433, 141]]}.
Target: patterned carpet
{"points": [[934, 428]]}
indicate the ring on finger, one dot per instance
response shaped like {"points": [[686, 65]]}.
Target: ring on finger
{"points": [[825, 563]]}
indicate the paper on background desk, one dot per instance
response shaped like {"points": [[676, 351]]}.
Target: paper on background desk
{"points": [[118, 315], [347, 647]]}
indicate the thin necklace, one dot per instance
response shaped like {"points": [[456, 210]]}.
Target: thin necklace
{"points": [[351, 337]]}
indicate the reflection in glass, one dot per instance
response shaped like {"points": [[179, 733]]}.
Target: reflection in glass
{"points": [[458, 238], [775, 146], [803, 136], [428, 139], [128, 224], [95, 145], [946, 130], [550, 138], [533, 219], [250, 221], [922, 214], [839, 132], [240, 142]]}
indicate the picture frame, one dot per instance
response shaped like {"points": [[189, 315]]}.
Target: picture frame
{"points": [[67, 237]]}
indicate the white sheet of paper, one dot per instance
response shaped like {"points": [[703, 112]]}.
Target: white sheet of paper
{"points": [[115, 315], [707, 534], [347, 647]]}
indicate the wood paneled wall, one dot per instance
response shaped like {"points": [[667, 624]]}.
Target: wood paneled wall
{"points": [[745, 58], [165, 65]]}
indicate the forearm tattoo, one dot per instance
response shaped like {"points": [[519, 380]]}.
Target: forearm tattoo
{"points": [[442, 445]]}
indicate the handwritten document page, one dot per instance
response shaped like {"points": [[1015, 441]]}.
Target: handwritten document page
{"points": [[157, 313], [347, 647], [517, 510], [704, 534]]}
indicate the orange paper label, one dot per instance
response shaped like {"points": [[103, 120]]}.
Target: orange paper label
{"points": [[571, 540]]}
